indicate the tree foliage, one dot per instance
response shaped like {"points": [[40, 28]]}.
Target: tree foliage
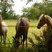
{"points": [[6, 8], [37, 9]]}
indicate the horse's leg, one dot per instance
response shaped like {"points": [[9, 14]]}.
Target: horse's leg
{"points": [[4, 37], [26, 38], [1, 38], [21, 40]]}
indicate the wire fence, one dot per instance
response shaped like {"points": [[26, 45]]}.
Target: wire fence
{"points": [[21, 26], [9, 45]]}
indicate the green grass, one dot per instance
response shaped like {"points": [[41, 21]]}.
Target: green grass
{"points": [[11, 30], [11, 33]]}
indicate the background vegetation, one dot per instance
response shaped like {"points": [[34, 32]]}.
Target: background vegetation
{"points": [[37, 9], [33, 12]]}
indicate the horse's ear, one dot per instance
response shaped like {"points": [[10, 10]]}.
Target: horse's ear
{"points": [[43, 15]]}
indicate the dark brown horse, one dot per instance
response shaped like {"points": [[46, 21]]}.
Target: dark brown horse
{"points": [[45, 21], [3, 30], [22, 27]]}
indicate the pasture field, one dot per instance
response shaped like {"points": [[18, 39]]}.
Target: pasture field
{"points": [[11, 30]]}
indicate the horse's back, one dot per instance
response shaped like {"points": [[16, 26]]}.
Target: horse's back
{"points": [[4, 26], [25, 22]]}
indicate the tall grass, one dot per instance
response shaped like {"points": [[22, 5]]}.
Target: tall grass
{"points": [[34, 39], [11, 30]]}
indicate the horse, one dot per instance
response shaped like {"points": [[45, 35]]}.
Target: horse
{"points": [[3, 30], [45, 22], [21, 28]]}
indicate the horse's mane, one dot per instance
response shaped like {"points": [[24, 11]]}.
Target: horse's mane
{"points": [[46, 16], [41, 16]]}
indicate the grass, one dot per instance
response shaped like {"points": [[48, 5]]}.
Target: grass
{"points": [[11, 30], [31, 32]]}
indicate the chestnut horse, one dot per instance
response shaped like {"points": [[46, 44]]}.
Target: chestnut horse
{"points": [[3, 30], [22, 27], [46, 21]]}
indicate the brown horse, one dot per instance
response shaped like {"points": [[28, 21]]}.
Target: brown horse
{"points": [[46, 21], [22, 27], [3, 30]]}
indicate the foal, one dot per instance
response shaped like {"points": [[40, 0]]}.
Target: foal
{"points": [[3, 30], [22, 27], [47, 30]]}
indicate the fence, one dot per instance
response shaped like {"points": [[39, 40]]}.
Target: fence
{"points": [[11, 29], [9, 48]]}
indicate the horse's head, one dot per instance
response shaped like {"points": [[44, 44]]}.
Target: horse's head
{"points": [[16, 41], [42, 21]]}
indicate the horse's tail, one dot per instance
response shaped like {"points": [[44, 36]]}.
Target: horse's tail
{"points": [[21, 21]]}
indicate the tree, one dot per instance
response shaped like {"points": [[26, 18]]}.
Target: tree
{"points": [[31, 13], [37, 9], [5, 7]]}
